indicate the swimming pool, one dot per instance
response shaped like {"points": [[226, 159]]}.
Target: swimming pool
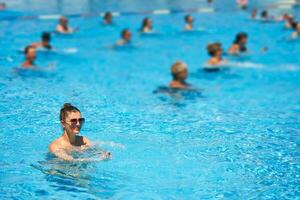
{"points": [[238, 140]]}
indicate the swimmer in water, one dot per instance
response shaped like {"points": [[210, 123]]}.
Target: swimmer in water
{"points": [[30, 56], [146, 26], [290, 22], [254, 14], [296, 34], [63, 26], [179, 73], [215, 51], [264, 15], [44, 43], [188, 23], [71, 121], [107, 18], [239, 44], [125, 38]]}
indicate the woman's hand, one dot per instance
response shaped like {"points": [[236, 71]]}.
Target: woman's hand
{"points": [[106, 156]]}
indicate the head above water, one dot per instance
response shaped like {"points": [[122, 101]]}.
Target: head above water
{"points": [[30, 53], [65, 110], [126, 35], [179, 71], [214, 49], [46, 37], [241, 38], [70, 118], [188, 19], [63, 20], [147, 22], [264, 14], [108, 17]]}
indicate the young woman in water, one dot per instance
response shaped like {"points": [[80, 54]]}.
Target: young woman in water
{"points": [[63, 26], [290, 22], [188, 22], [30, 56], [239, 44], [125, 38], [179, 73], [107, 18], [71, 121], [146, 26], [215, 51]]}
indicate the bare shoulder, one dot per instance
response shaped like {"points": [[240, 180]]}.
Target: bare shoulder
{"points": [[212, 61], [53, 146]]}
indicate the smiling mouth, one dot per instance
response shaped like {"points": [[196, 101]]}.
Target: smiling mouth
{"points": [[76, 129]]}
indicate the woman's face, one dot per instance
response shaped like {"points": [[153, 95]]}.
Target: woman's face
{"points": [[148, 23], [73, 122], [190, 19], [244, 40], [127, 35]]}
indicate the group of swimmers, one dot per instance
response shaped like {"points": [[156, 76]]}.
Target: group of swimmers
{"points": [[290, 22], [214, 50], [70, 116], [64, 28]]}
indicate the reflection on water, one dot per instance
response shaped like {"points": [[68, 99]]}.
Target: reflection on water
{"points": [[80, 177], [177, 97]]}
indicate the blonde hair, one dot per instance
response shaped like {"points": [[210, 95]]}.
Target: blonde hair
{"points": [[178, 67]]}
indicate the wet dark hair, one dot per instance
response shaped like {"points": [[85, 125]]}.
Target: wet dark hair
{"points": [[46, 36], [124, 31], [187, 17], [239, 37], [107, 14], [27, 48], [65, 109], [144, 23], [294, 25], [264, 14]]}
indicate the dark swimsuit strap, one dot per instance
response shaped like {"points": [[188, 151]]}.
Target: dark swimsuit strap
{"points": [[79, 140]]}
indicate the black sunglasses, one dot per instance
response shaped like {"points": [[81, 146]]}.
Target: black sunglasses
{"points": [[75, 121]]}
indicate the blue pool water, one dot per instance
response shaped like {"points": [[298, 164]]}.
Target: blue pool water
{"points": [[239, 139]]}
